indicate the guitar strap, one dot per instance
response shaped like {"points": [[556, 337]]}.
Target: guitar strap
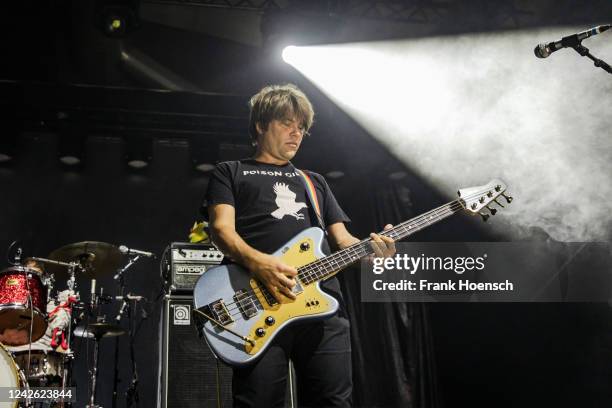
{"points": [[312, 197]]}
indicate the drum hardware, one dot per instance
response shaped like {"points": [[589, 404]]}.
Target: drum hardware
{"points": [[43, 367], [53, 262], [96, 331], [71, 267], [11, 376], [95, 259], [23, 303], [102, 329]]}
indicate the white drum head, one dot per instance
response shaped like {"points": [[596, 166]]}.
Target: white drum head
{"points": [[9, 376]]}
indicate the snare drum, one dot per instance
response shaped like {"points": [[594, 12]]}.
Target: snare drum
{"points": [[10, 376], [23, 301]]}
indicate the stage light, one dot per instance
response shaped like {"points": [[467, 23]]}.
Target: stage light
{"points": [[115, 25], [397, 175], [280, 28], [289, 53], [116, 18], [8, 148], [139, 151], [206, 152], [9, 140], [71, 148], [334, 174], [460, 110], [203, 152], [205, 167], [203, 164]]}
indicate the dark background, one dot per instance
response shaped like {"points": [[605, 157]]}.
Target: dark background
{"points": [[61, 74]]}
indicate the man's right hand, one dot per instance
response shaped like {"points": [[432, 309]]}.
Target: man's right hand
{"points": [[277, 277]]}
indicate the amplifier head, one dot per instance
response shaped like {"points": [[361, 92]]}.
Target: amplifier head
{"points": [[185, 262]]}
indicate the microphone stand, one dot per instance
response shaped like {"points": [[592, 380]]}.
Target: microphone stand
{"points": [[584, 52], [121, 282], [131, 395], [120, 272], [116, 373]]}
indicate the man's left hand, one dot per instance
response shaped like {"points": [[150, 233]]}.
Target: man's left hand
{"points": [[383, 246]]}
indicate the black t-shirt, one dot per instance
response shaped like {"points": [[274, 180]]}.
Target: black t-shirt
{"points": [[271, 203]]}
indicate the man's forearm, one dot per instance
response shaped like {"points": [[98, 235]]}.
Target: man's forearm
{"points": [[347, 242], [233, 246]]}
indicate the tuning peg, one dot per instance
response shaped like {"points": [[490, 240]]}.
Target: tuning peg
{"points": [[485, 217], [489, 194], [508, 198], [492, 210], [497, 188], [498, 203]]}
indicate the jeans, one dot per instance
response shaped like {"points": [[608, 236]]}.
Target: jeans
{"points": [[321, 355]]}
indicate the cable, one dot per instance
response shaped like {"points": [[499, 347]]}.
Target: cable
{"points": [[31, 306], [8, 251]]}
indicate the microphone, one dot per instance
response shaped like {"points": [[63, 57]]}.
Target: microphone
{"points": [[130, 251], [126, 299], [121, 310], [543, 50], [93, 293]]}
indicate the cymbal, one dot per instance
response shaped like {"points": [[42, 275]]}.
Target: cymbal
{"points": [[95, 258], [98, 330]]}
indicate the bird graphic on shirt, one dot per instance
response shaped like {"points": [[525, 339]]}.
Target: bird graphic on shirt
{"points": [[285, 200]]}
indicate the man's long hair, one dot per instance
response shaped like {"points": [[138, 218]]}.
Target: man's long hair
{"points": [[279, 102]]}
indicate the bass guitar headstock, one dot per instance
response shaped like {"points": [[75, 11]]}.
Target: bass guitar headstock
{"points": [[476, 200]]}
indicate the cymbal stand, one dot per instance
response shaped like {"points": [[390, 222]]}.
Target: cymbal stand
{"points": [[72, 285], [71, 271], [94, 374], [68, 358], [94, 371]]}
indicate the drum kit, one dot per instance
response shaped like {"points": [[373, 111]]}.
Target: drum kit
{"points": [[39, 320]]}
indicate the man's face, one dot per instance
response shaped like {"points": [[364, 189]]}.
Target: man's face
{"points": [[281, 139]]}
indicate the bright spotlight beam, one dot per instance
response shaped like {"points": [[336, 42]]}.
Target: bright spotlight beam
{"points": [[461, 110], [289, 54]]}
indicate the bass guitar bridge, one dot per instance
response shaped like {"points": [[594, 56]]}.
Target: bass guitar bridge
{"points": [[220, 313]]}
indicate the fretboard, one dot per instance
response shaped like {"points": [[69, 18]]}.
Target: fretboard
{"points": [[324, 268]]}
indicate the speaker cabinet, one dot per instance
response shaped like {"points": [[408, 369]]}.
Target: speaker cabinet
{"points": [[190, 375]]}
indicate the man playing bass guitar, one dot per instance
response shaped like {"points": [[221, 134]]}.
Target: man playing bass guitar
{"points": [[255, 206]]}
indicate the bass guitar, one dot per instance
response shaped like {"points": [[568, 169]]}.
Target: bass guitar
{"points": [[238, 317]]}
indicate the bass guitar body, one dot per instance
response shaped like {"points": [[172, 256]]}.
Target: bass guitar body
{"points": [[247, 317]]}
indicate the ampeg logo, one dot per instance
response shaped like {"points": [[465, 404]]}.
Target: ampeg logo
{"points": [[182, 315], [191, 269]]}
